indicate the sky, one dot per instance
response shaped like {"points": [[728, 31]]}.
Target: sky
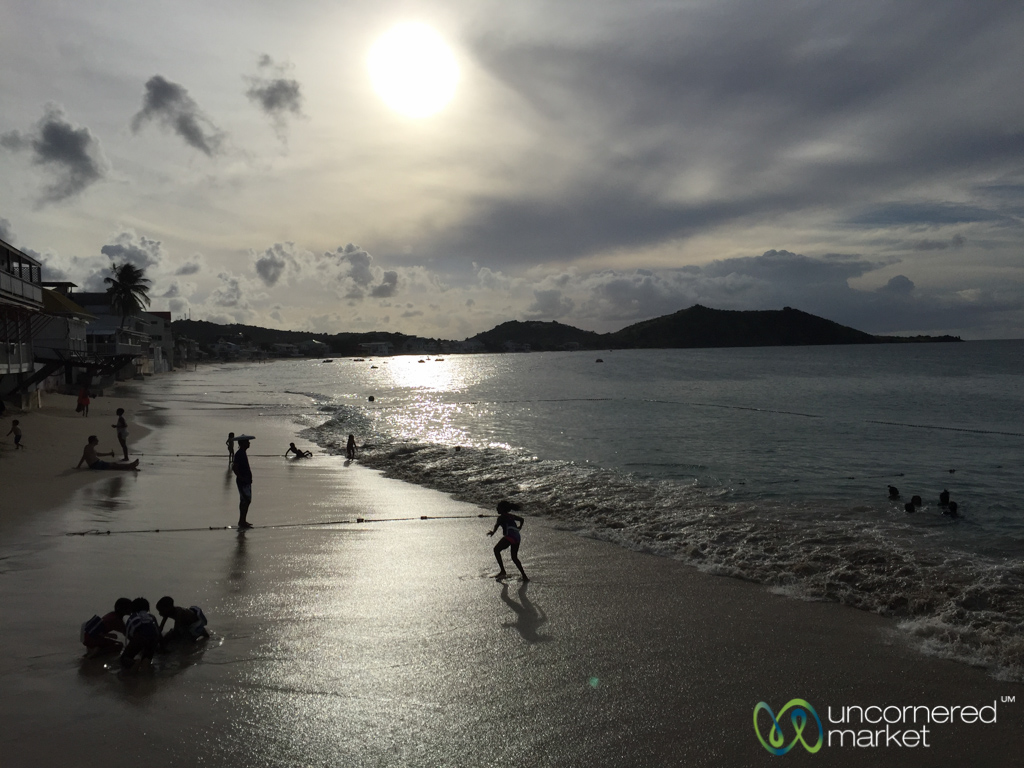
{"points": [[598, 163]]}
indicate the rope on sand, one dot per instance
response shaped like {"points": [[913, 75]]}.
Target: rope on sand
{"points": [[947, 429], [98, 532], [208, 455]]}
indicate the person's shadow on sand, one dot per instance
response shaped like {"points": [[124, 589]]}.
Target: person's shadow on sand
{"points": [[529, 616]]}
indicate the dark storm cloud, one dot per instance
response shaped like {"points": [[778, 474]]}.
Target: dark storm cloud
{"points": [[786, 107], [189, 268], [73, 155], [388, 286], [924, 214], [170, 105], [277, 95], [270, 266]]}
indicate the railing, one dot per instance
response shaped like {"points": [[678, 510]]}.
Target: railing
{"points": [[115, 349], [15, 358], [23, 289]]}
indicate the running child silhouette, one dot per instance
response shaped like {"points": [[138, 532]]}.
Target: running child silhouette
{"points": [[510, 525]]}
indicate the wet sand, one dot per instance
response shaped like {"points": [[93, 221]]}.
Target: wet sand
{"points": [[43, 475], [388, 642]]}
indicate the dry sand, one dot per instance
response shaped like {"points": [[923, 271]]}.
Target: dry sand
{"points": [[387, 642]]}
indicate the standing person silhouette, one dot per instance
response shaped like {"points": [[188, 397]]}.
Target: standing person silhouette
{"points": [[122, 431], [350, 447], [510, 525], [230, 443], [83, 402], [243, 479]]}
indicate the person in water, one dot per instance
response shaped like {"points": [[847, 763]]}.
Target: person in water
{"points": [[298, 454], [510, 525], [350, 447]]}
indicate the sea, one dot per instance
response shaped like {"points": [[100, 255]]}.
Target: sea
{"points": [[766, 464]]}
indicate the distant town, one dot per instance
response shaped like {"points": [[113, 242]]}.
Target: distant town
{"points": [[56, 338]]}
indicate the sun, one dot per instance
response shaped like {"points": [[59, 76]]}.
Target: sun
{"points": [[413, 70]]}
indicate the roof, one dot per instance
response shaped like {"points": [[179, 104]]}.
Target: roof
{"points": [[56, 303]]}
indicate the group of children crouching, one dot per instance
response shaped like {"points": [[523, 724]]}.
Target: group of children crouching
{"points": [[142, 636]]}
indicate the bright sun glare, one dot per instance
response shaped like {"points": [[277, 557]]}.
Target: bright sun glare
{"points": [[413, 70]]}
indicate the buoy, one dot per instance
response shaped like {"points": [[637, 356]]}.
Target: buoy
{"points": [[370, 398]]}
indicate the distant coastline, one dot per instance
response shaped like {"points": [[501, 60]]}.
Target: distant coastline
{"points": [[695, 327]]}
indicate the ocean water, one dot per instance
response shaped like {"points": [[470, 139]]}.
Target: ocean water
{"points": [[768, 464]]}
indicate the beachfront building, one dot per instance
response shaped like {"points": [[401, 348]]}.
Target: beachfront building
{"points": [[378, 348], [314, 348], [186, 351], [21, 313], [285, 350], [60, 342], [161, 354], [115, 337]]}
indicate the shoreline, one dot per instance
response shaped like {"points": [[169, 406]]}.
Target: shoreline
{"points": [[390, 643]]}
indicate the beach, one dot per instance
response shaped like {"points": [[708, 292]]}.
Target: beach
{"points": [[43, 475], [388, 642]]}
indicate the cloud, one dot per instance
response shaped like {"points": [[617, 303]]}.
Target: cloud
{"points": [[900, 285], [388, 286], [276, 95], [549, 305], [72, 155], [229, 293], [139, 250], [192, 266], [923, 214], [686, 119], [355, 274], [272, 263], [170, 105], [6, 233]]}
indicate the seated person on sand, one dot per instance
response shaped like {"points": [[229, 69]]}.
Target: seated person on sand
{"points": [[189, 623], [92, 460], [98, 633], [298, 454]]}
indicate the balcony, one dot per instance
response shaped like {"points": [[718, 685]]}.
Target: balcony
{"points": [[12, 287]]}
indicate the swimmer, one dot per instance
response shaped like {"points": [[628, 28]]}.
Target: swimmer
{"points": [[952, 510], [944, 498], [894, 492], [298, 454], [916, 501], [510, 525]]}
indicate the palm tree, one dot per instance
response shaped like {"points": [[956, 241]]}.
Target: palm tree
{"points": [[129, 289]]}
